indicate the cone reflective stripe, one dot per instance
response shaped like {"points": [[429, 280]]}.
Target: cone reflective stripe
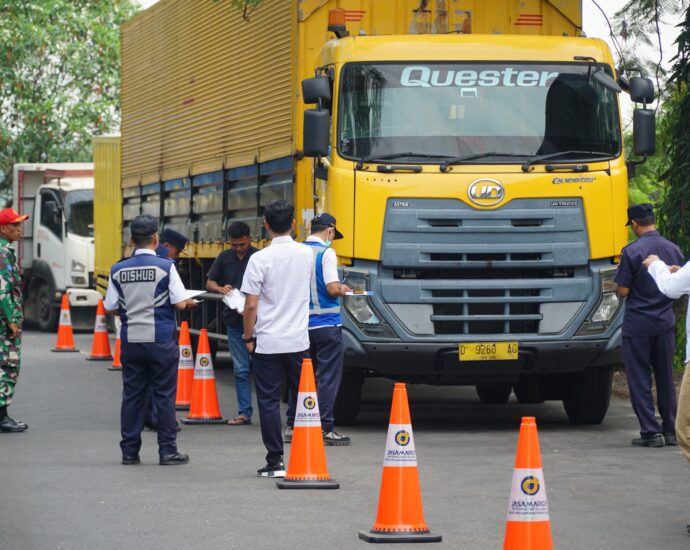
{"points": [[65, 337], [528, 526], [100, 348], [204, 405], [307, 466], [400, 516], [185, 369], [117, 364]]}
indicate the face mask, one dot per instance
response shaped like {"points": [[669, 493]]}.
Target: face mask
{"points": [[327, 243]]}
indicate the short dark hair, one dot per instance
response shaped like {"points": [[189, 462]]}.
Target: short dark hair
{"points": [[142, 240], [279, 215], [315, 228], [645, 222], [237, 230]]}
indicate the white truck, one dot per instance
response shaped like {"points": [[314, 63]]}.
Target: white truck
{"points": [[56, 253]]}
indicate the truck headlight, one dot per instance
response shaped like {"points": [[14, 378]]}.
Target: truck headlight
{"points": [[607, 307], [78, 267], [361, 309]]}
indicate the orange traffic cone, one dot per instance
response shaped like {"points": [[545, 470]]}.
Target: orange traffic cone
{"points": [[528, 526], [65, 337], [100, 348], [117, 364], [204, 406], [185, 370], [307, 467], [400, 515]]}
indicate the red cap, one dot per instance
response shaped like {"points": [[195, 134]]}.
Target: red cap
{"points": [[8, 215]]}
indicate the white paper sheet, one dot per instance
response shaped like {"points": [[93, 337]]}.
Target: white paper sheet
{"points": [[234, 300]]}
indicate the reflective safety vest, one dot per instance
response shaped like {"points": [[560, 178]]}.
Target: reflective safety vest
{"points": [[324, 309]]}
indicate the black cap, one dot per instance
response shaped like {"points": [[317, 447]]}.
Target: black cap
{"points": [[640, 211], [144, 226], [326, 220], [178, 240]]}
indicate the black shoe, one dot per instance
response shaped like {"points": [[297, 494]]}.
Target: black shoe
{"points": [[670, 439], [9, 425], [272, 470], [648, 440], [334, 439], [129, 460], [173, 460]]}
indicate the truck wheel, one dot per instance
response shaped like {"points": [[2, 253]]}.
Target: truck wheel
{"points": [[588, 397], [493, 394], [349, 396], [47, 313], [528, 390]]}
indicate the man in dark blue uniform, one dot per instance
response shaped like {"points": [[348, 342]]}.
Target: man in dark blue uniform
{"points": [[648, 330], [145, 290]]}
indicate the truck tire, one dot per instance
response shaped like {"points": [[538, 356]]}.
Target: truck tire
{"points": [[493, 394], [47, 314], [589, 395], [349, 396], [528, 390]]}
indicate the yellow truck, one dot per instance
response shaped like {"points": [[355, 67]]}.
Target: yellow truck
{"points": [[471, 151]]}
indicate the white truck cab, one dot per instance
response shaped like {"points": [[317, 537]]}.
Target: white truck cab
{"points": [[56, 253]]}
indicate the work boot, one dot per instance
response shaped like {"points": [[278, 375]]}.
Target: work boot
{"points": [[648, 440], [670, 439], [174, 459], [7, 424]]}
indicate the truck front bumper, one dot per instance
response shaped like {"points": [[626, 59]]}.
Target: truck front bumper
{"points": [[438, 363]]}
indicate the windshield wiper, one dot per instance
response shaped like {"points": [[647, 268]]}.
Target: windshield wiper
{"points": [[474, 156], [528, 163], [392, 156]]}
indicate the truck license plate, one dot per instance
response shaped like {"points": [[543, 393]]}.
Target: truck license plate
{"points": [[488, 351]]}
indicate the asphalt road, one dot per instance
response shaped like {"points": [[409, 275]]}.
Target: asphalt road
{"points": [[62, 486]]}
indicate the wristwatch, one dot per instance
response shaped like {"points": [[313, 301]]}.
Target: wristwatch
{"points": [[250, 339]]}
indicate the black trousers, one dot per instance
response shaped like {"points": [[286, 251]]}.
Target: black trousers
{"points": [[642, 356], [269, 370], [147, 365]]}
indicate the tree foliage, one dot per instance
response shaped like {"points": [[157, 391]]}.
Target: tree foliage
{"points": [[59, 77]]}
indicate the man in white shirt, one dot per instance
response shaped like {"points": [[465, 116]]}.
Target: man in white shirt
{"points": [[276, 319]]}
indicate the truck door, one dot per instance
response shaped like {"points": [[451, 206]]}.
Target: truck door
{"points": [[49, 235]]}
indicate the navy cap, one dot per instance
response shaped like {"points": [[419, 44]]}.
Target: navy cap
{"points": [[144, 226], [640, 211], [326, 220], [178, 240]]}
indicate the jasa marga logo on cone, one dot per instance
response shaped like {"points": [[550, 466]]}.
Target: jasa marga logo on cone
{"points": [[528, 496], [400, 449], [204, 368], [307, 413]]}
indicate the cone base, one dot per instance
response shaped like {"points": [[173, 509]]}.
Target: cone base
{"points": [[99, 358], [65, 350], [204, 421], [307, 484], [183, 407], [371, 536], [114, 368]]}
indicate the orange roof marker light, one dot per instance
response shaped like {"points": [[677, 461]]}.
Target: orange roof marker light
{"points": [[336, 22]]}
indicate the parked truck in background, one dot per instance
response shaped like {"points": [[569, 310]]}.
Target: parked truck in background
{"points": [[471, 152], [56, 251]]}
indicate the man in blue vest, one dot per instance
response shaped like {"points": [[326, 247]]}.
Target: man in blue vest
{"points": [[145, 290], [325, 326]]}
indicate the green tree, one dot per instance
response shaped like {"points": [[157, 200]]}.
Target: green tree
{"points": [[59, 77]]}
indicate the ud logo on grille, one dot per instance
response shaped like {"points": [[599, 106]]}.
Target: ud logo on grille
{"points": [[486, 192]]}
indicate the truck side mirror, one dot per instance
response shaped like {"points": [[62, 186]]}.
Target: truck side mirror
{"points": [[317, 133], [644, 132], [316, 89], [641, 90]]}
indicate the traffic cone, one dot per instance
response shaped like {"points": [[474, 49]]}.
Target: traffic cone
{"points": [[204, 406], [400, 515], [65, 337], [307, 467], [528, 526], [185, 370], [100, 348], [117, 364]]}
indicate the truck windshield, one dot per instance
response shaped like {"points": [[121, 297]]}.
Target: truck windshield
{"points": [[79, 212], [465, 108]]}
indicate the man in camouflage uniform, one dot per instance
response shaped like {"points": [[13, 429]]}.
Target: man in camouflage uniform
{"points": [[11, 315]]}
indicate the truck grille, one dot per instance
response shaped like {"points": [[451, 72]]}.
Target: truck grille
{"points": [[485, 272]]}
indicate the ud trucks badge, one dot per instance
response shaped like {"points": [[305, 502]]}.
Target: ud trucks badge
{"points": [[486, 192]]}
